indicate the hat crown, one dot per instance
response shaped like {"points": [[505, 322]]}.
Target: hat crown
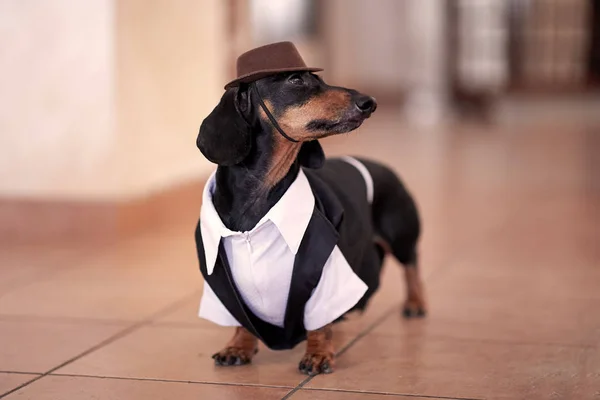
{"points": [[268, 60], [281, 55]]}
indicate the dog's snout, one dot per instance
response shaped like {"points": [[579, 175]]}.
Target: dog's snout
{"points": [[366, 104]]}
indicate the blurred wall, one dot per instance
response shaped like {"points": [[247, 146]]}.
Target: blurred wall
{"points": [[393, 49], [56, 116], [366, 44], [102, 99], [170, 72]]}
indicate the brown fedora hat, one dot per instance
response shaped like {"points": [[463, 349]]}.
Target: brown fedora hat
{"points": [[268, 60]]}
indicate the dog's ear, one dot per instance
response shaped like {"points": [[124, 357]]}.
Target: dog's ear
{"points": [[311, 155], [225, 135]]}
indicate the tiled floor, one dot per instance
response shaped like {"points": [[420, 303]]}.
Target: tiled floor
{"points": [[510, 256]]}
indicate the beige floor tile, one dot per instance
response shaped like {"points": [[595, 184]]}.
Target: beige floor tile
{"points": [[76, 388], [497, 304], [186, 315], [548, 235], [21, 273], [183, 353], [517, 303], [10, 381], [463, 368], [587, 384], [111, 298], [24, 264], [339, 395], [128, 282], [38, 346], [500, 323]]}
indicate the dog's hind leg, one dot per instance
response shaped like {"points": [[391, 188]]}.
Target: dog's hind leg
{"points": [[414, 305], [403, 245], [398, 227]]}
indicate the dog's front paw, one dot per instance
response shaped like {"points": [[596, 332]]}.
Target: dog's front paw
{"points": [[317, 363], [234, 356]]}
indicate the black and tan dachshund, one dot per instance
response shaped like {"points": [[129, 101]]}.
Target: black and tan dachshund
{"points": [[259, 155]]}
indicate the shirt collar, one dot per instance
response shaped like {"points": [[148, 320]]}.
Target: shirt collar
{"points": [[291, 215]]}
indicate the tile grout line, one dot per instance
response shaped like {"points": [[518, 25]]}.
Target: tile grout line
{"points": [[392, 394], [63, 319], [368, 330], [20, 372], [508, 342], [297, 388], [109, 340], [346, 347], [164, 380]]}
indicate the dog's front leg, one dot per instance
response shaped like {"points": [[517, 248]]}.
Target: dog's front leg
{"points": [[320, 355], [240, 349]]}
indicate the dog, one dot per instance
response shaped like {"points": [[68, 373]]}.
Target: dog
{"points": [[264, 137]]}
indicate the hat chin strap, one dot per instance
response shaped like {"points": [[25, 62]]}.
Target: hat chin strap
{"points": [[269, 115]]}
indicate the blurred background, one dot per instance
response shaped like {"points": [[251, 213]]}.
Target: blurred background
{"points": [[102, 99], [489, 111]]}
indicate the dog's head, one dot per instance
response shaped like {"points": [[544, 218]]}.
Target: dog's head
{"points": [[304, 106]]}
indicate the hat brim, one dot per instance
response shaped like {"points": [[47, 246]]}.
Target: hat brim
{"points": [[256, 75]]}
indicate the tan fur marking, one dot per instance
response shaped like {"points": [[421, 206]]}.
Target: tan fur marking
{"points": [[284, 155], [415, 296], [327, 106]]}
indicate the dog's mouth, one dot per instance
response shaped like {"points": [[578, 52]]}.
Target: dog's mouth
{"points": [[334, 126], [342, 125]]}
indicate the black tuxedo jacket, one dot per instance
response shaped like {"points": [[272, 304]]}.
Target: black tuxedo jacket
{"points": [[342, 217]]}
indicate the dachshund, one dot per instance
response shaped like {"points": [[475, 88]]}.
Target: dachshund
{"points": [[263, 135]]}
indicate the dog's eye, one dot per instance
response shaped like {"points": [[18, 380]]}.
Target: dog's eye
{"points": [[296, 80]]}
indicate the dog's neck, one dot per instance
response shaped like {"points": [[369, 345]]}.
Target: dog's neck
{"points": [[245, 192]]}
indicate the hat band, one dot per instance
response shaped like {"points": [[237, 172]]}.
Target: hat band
{"points": [[270, 116]]}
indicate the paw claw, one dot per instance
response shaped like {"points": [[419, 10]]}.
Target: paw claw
{"points": [[218, 359], [414, 309], [314, 364], [232, 356]]}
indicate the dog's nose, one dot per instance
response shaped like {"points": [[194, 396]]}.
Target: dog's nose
{"points": [[366, 104]]}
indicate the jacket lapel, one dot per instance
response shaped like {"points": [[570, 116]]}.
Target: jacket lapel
{"points": [[221, 283], [317, 244]]}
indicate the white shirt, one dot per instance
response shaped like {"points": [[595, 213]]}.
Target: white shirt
{"points": [[262, 261]]}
